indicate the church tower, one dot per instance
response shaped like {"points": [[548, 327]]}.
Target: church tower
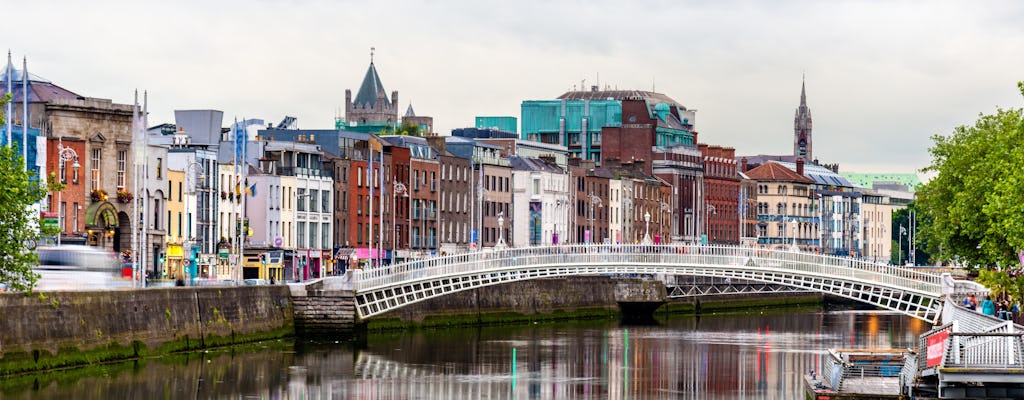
{"points": [[802, 139], [371, 105]]}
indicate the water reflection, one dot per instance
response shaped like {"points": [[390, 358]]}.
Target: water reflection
{"points": [[718, 357]]}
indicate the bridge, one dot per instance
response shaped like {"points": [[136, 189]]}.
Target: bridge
{"points": [[911, 292]]}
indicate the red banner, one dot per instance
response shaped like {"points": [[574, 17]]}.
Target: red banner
{"points": [[936, 347]]}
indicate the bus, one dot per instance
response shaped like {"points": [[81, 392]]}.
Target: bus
{"points": [[77, 267]]}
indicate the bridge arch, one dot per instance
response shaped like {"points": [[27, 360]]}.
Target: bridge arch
{"points": [[910, 292]]}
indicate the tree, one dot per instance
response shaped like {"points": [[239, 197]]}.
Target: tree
{"points": [[19, 225], [901, 218], [975, 201], [406, 129]]}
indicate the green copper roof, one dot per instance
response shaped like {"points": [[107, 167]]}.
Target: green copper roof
{"points": [[867, 180], [370, 87]]}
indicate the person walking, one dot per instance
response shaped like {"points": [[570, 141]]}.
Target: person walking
{"points": [[988, 307], [972, 302]]}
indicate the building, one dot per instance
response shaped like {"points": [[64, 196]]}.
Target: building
{"points": [[876, 212], [531, 149], [371, 110], [95, 208], [629, 126], [802, 127], [721, 187], [786, 204], [199, 165], [503, 124], [589, 187], [456, 194], [540, 198]]}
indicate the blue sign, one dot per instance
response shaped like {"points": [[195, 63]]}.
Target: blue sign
{"points": [[472, 236]]}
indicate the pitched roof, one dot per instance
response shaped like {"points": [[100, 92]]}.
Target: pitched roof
{"points": [[409, 112], [370, 87], [39, 89], [772, 171]]}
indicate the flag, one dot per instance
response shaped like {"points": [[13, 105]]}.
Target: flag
{"points": [[251, 190], [238, 188]]}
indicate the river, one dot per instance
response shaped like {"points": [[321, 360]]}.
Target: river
{"points": [[743, 356]]}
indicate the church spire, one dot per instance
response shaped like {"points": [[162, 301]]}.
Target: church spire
{"points": [[802, 126], [803, 89]]}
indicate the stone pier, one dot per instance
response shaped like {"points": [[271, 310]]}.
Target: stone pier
{"points": [[324, 308]]}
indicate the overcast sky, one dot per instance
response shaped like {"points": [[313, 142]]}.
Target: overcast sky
{"points": [[882, 76]]}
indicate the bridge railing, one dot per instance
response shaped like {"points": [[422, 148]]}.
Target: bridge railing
{"points": [[667, 259]]}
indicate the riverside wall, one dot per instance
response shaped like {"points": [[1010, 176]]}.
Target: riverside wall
{"points": [[53, 329]]}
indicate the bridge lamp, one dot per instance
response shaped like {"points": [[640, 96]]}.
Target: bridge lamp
{"points": [[647, 227]]}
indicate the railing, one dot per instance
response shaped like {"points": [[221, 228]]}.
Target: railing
{"points": [[909, 372], [832, 371], [665, 256], [922, 344], [996, 350]]}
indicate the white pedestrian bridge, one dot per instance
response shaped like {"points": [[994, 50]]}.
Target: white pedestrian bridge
{"points": [[915, 293]]}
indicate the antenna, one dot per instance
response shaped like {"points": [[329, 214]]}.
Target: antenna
{"points": [[371, 53]]}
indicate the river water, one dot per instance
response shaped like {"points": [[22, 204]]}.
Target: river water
{"points": [[749, 356]]}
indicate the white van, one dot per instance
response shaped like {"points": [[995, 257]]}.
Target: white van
{"points": [[76, 267]]}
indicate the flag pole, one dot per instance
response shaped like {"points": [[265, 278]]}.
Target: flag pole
{"points": [[10, 106], [144, 241], [24, 102]]}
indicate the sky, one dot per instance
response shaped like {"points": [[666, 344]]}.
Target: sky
{"points": [[882, 77]]}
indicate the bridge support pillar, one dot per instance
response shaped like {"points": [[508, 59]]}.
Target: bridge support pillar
{"points": [[324, 308], [637, 299]]}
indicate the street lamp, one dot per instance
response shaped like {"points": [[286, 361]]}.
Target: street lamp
{"points": [[899, 255], [501, 230], [707, 221], [593, 200], [399, 188], [64, 155], [647, 227]]}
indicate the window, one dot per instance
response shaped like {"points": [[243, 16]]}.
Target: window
{"points": [[94, 166], [359, 177], [179, 191], [156, 214], [313, 199], [122, 165], [160, 168], [312, 234], [63, 172], [301, 194], [325, 203], [74, 218], [301, 230]]}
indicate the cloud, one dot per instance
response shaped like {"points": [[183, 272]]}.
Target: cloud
{"points": [[882, 77]]}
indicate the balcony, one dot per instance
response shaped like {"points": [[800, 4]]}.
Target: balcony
{"points": [[307, 172]]}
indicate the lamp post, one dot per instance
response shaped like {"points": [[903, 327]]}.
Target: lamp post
{"points": [[501, 230], [899, 255], [191, 184], [64, 155], [647, 228], [399, 188], [707, 220], [593, 200]]}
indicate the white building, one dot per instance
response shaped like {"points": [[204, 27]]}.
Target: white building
{"points": [[540, 199]]}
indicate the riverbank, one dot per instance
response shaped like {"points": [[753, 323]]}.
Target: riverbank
{"points": [[54, 330]]}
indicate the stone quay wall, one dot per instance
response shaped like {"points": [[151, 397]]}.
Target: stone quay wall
{"points": [[177, 318]]}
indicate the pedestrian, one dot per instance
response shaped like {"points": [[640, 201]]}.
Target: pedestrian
{"points": [[972, 302], [988, 307]]}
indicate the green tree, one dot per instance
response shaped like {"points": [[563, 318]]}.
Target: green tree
{"points": [[20, 224], [406, 129], [900, 243], [975, 201]]}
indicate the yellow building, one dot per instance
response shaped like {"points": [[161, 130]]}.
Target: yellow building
{"points": [[785, 208], [175, 224]]}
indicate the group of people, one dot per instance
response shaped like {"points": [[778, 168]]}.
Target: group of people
{"points": [[1001, 308]]}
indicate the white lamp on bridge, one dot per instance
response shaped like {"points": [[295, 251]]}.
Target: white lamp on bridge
{"points": [[647, 227]]}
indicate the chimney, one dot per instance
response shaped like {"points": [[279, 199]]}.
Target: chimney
{"points": [[743, 164], [438, 143], [800, 166]]}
